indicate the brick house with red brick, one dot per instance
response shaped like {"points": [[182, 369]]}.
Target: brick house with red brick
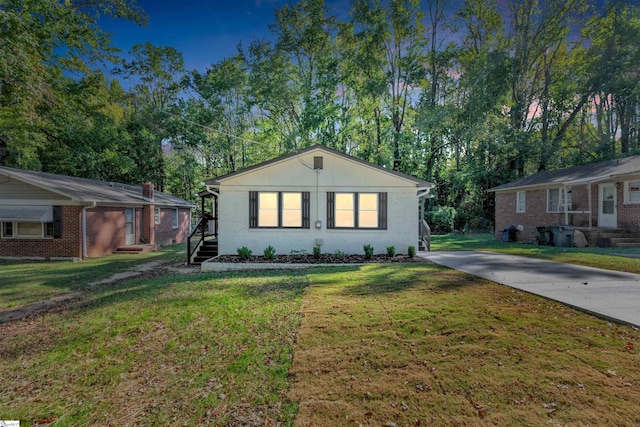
{"points": [[596, 198], [44, 215]]}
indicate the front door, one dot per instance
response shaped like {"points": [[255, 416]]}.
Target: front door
{"points": [[607, 210], [130, 226]]}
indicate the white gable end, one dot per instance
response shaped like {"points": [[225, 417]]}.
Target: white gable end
{"points": [[337, 172]]}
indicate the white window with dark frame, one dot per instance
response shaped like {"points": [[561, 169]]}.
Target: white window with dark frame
{"points": [[279, 209], [521, 201], [632, 192], [156, 215], [176, 212], [557, 198], [357, 210]]}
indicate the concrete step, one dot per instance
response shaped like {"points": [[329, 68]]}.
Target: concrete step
{"points": [[627, 245], [136, 249]]}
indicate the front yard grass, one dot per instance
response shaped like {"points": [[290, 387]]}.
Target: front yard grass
{"points": [[619, 259], [171, 350], [406, 345], [419, 345], [25, 282]]}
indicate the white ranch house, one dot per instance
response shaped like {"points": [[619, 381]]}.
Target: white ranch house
{"points": [[313, 197]]}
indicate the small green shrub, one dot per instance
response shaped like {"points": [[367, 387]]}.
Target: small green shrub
{"points": [[316, 252], [368, 251], [391, 251], [338, 254], [244, 253], [411, 251], [269, 252]]}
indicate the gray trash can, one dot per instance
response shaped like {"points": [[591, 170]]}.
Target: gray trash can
{"points": [[563, 235]]}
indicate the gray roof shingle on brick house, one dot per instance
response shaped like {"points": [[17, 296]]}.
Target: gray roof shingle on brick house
{"points": [[591, 172], [90, 190]]}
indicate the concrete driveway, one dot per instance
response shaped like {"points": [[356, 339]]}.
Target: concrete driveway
{"points": [[605, 293]]}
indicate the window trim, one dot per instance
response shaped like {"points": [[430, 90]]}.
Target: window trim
{"points": [[562, 197], [627, 193], [15, 228], [381, 210], [521, 196], [157, 215], [254, 210], [175, 223]]}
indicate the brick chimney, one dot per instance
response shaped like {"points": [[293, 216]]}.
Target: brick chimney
{"points": [[148, 215], [147, 191]]}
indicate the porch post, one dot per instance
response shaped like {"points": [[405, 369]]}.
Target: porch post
{"points": [[590, 207], [215, 216], [566, 207], [202, 222]]}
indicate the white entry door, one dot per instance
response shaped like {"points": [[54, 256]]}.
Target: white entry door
{"points": [[130, 226], [607, 210]]}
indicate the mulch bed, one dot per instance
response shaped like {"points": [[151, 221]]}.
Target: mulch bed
{"points": [[322, 259]]}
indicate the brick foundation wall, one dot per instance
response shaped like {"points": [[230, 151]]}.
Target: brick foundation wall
{"points": [[69, 245], [165, 234]]}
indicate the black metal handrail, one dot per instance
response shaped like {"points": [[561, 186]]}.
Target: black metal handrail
{"points": [[191, 248], [425, 234]]}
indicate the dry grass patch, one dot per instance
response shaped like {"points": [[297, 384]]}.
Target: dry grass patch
{"points": [[420, 345]]}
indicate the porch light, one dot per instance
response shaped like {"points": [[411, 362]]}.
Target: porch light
{"points": [[318, 224]]}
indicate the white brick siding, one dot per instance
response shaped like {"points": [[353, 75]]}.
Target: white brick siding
{"points": [[402, 229]]}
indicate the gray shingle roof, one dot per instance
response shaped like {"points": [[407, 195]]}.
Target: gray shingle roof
{"points": [[90, 190], [419, 182], [591, 172]]}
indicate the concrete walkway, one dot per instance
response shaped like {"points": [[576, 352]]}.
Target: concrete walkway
{"points": [[609, 294]]}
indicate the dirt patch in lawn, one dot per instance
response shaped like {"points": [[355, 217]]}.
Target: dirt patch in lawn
{"points": [[64, 301], [417, 346]]}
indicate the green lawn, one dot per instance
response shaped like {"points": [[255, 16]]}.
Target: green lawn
{"points": [[165, 351], [24, 282], [608, 258], [412, 344]]}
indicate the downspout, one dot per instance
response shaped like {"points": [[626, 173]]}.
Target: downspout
{"points": [[84, 229]]}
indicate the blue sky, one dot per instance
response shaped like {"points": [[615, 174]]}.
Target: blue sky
{"points": [[205, 31]]}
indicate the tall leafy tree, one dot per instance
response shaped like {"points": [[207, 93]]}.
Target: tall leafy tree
{"points": [[156, 71], [40, 41], [405, 70]]}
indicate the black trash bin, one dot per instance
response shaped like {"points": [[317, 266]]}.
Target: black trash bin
{"points": [[545, 237], [509, 234]]}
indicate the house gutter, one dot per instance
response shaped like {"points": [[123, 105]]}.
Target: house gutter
{"points": [[84, 229]]}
